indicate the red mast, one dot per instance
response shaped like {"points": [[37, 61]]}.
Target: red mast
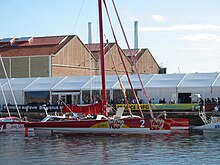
{"points": [[104, 101]]}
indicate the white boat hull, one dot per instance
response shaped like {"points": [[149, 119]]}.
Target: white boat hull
{"points": [[214, 127]]}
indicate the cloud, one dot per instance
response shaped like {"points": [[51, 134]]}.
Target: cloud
{"points": [[181, 28], [196, 49], [129, 15], [158, 18], [201, 37]]}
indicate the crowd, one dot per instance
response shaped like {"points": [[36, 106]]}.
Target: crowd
{"points": [[213, 100]]}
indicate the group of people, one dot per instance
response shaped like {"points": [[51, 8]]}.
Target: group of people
{"points": [[153, 101], [213, 100], [162, 101], [122, 101]]}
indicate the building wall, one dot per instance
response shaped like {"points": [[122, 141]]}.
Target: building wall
{"points": [[21, 67], [147, 64], [73, 59], [6, 64], [117, 60], [40, 66]]}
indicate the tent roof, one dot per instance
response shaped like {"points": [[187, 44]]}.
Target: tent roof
{"points": [[18, 83], [3, 82], [134, 80], [198, 80], [96, 83], [71, 83], [216, 83], [165, 80], [77, 83], [43, 84]]}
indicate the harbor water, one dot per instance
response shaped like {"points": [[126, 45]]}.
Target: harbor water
{"points": [[175, 148]]}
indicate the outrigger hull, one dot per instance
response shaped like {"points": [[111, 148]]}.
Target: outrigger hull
{"points": [[178, 123], [12, 126], [211, 127], [116, 126]]}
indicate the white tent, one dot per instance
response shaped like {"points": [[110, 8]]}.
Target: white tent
{"points": [[197, 83], [95, 82], [70, 86], [163, 86], [168, 86], [17, 85], [42, 84], [74, 83], [134, 81], [215, 90]]}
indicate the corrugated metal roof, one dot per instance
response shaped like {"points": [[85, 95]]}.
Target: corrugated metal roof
{"points": [[36, 46], [95, 48], [136, 53], [130, 52]]}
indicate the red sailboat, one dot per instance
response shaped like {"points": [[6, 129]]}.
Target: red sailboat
{"points": [[100, 123]]}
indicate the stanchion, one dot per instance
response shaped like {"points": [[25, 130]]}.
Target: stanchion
{"points": [[26, 132]]}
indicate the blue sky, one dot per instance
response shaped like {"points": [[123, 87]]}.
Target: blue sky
{"points": [[182, 35]]}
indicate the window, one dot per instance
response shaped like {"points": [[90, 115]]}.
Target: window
{"points": [[37, 97]]}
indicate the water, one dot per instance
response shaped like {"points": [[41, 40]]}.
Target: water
{"points": [[180, 148]]}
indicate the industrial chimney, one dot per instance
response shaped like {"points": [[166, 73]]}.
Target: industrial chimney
{"points": [[135, 34], [89, 32]]}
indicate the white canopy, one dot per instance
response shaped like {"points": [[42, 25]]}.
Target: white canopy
{"points": [[134, 81], [197, 82], [96, 82], [71, 83], [17, 86], [163, 86], [43, 84], [156, 85], [216, 87]]}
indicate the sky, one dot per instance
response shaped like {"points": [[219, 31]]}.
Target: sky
{"points": [[182, 35]]}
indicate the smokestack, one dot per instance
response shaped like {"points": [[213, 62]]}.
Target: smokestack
{"points": [[89, 32], [136, 34]]}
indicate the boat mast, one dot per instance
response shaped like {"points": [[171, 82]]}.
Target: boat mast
{"points": [[104, 101]]}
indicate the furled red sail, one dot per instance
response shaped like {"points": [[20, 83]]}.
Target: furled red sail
{"points": [[84, 109]]}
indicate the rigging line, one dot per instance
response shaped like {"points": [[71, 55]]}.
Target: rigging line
{"points": [[129, 80], [132, 58], [6, 104], [12, 93], [119, 80], [78, 16], [90, 74], [85, 61], [65, 105]]}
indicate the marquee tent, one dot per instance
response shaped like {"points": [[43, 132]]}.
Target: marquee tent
{"points": [[168, 86]]}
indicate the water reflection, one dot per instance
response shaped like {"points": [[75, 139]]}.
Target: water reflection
{"points": [[179, 147]]}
